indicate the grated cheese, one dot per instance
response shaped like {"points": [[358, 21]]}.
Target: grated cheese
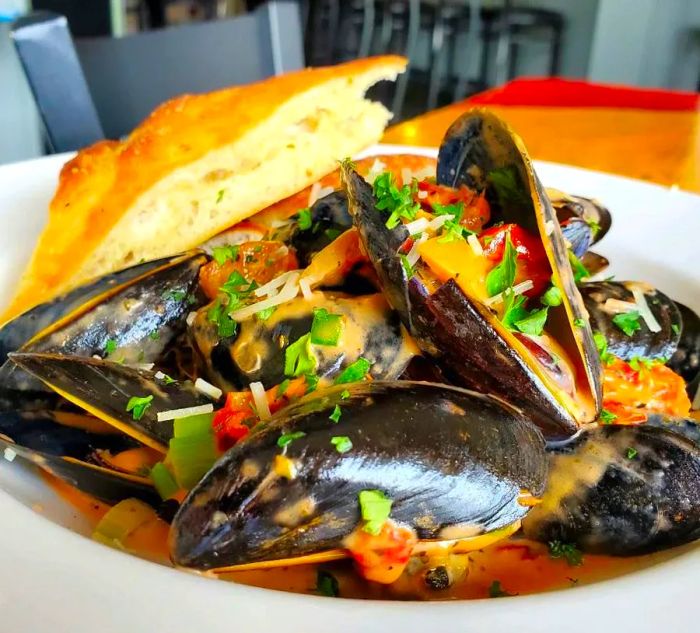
{"points": [[474, 242], [437, 222], [9, 454], [416, 226], [190, 318], [260, 399], [549, 227], [422, 194], [272, 285], [518, 289], [288, 292], [207, 389], [186, 412], [414, 255], [159, 375], [615, 306], [304, 285], [644, 310], [377, 168]]}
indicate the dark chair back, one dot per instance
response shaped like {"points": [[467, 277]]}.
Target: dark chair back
{"points": [[111, 84]]}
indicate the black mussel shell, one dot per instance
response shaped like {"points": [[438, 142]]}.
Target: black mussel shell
{"points": [[686, 358], [596, 216], [621, 491], [643, 343], [453, 462], [594, 263]]}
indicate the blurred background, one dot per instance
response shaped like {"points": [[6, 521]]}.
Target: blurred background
{"points": [[455, 47]]}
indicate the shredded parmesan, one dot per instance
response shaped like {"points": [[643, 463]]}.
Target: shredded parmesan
{"points": [[549, 227], [406, 175], [260, 399], [518, 289], [271, 286], [317, 192], [207, 389], [416, 226], [614, 306], [186, 412], [414, 255], [190, 318], [437, 222], [375, 170], [9, 454], [288, 292], [143, 366], [422, 195], [97, 357], [644, 310], [159, 375], [306, 289], [474, 242]]}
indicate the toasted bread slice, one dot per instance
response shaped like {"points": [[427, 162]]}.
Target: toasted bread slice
{"points": [[197, 165]]}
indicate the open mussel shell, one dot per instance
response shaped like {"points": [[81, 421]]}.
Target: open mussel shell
{"points": [[621, 490], [600, 299], [74, 448], [256, 353], [455, 464], [104, 388], [595, 263], [596, 216], [139, 311], [686, 358]]}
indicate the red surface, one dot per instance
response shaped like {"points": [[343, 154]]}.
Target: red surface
{"points": [[581, 94]]}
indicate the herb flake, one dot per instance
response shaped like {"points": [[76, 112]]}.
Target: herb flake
{"points": [[375, 508], [287, 438], [342, 443], [138, 406]]}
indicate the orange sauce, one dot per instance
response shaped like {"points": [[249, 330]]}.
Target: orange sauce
{"points": [[519, 565]]}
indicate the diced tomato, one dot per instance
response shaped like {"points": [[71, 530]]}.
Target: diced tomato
{"points": [[476, 209], [532, 262], [256, 261], [382, 558], [631, 395], [229, 427]]}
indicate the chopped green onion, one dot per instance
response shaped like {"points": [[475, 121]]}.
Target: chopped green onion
{"points": [[552, 297], [225, 325], [628, 322], [120, 521], [174, 295], [199, 424], [299, 358], [222, 254], [137, 406], [265, 314], [335, 416], [534, 323], [110, 346], [607, 417], [191, 457], [406, 265], [304, 219], [375, 508], [327, 584], [502, 276], [287, 438], [342, 443], [326, 327], [354, 372], [569, 552], [163, 481]]}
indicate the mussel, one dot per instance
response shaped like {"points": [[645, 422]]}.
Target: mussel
{"points": [[555, 378], [621, 490], [455, 464]]}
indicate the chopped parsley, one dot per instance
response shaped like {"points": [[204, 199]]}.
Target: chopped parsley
{"points": [[496, 591], [513, 310], [594, 226], [167, 379], [335, 416], [397, 202], [220, 195], [408, 269], [282, 387], [533, 324], [676, 328], [628, 322], [508, 185], [137, 406], [375, 508], [601, 345], [342, 443], [154, 336], [222, 254], [579, 323], [551, 297], [110, 346], [174, 295], [354, 372], [452, 229], [326, 327], [579, 270], [311, 382], [304, 219], [327, 584], [265, 314], [631, 453], [607, 417], [218, 314], [299, 358], [344, 394], [502, 276], [639, 362], [567, 551], [287, 438]]}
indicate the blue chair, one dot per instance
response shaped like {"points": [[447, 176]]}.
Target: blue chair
{"points": [[97, 88]]}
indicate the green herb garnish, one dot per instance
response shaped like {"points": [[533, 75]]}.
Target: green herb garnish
{"points": [[508, 185], [327, 584], [534, 323], [496, 591], [265, 314], [326, 328], [304, 219], [299, 358], [287, 438], [570, 552], [551, 297], [354, 372], [138, 405], [406, 265], [397, 202], [282, 387], [607, 417], [311, 382], [502, 276], [579, 323], [220, 195], [110, 346], [631, 453], [594, 225], [375, 508], [452, 229], [628, 322], [154, 336], [601, 345], [579, 270], [344, 394], [222, 254], [513, 309], [335, 416], [218, 314], [167, 379], [174, 295], [342, 443], [675, 327]]}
